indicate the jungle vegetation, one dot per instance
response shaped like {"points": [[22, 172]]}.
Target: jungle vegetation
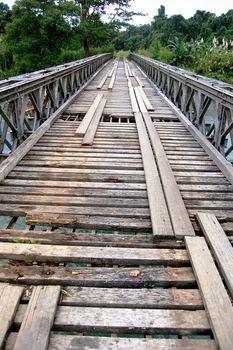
{"points": [[38, 34]]}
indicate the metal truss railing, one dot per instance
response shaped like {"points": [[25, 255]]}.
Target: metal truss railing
{"points": [[26, 101], [207, 103]]}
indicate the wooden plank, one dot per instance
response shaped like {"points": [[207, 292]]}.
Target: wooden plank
{"points": [[220, 246], [70, 200], [140, 83], [133, 99], [140, 101], [158, 208], [81, 192], [101, 84], [107, 277], [215, 297], [88, 239], [156, 298], [179, 216], [116, 320], [86, 221], [58, 253], [38, 320], [113, 183], [61, 342], [92, 128], [113, 79], [82, 129], [145, 99], [9, 301]]}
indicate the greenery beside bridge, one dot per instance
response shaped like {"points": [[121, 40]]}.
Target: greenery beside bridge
{"points": [[38, 34]]}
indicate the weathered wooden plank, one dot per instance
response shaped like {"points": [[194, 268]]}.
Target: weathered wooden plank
{"points": [[207, 188], [220, 246], [140, 101], [181, 277], [104, 255], [215, 297], [84, 192], [145, 98], [171, 298], [98, 175], [89, 222], [9, 300], [158, 208], [179, 216], [116, 320], [114, 183], [82, 129], [88, 239], [91, 131], [38, 320], [133, 99], [59, 342], [72, 201]]}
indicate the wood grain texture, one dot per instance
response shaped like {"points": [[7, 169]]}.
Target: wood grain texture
{"points": [[37, 252], [82, 129], [91, 131], [179, 216], [161, 223], [117, 320], [38, 319], [59, 342], [215, 297], [9, 301], [220, 246]]}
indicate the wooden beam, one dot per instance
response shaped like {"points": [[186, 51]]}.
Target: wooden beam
{"points": [[91, 131], [82, 129], [38, 320], [61, 342], [133, 99], [220, 246], [145, 99], [161, 223], [179, 216], [140, 101], [9, 300], [215, 297], [59, 253]]}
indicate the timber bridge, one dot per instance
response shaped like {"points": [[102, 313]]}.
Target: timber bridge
{"points": [[116, 205]]}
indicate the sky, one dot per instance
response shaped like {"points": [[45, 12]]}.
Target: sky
{"points": [[187, 8]]}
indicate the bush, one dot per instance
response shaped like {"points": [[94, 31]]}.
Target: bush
{"points": [[216, 64]]}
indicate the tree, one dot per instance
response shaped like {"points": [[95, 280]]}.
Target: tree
{"points": [[5, 16], [43, 32], [88, 15]]}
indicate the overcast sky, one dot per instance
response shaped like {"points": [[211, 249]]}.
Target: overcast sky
{"points": [[185, 7]]}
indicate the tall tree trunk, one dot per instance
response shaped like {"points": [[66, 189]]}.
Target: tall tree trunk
{"points": [[84, 16], [86, 47]]}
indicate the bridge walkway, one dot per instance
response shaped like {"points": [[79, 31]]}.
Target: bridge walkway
{"points": [[111, 225]]}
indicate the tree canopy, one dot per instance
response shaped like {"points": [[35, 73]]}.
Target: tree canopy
{"points": [[42, 33]]}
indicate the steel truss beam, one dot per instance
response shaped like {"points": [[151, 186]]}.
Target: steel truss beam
{"points": [[207, 103], [28, 100]]}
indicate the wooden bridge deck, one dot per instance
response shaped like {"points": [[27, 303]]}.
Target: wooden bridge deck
{"points": [[108, 235]]}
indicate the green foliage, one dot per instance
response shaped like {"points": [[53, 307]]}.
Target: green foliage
{"points": [[161, 53], [216, 64], [5, 16]]}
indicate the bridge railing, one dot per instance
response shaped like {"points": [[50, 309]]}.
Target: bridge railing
{"points": [[207, 103], [26, 101]]}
